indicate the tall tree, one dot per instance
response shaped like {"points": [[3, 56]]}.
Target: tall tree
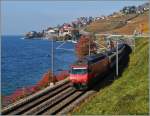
{"points": [[85, 46]]}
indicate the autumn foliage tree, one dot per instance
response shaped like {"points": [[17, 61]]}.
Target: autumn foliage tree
{"points": [[46, 79], [62, 75], [84, 46]]}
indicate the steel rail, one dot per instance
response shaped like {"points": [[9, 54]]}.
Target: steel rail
{"points": [[34, 103], [50, 102], [16, 105], [63, 103]]}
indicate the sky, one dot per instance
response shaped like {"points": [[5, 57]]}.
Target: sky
{"points": [[19, 17]]}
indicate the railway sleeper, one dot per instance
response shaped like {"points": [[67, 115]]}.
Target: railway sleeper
{"points": [[50, 102], [23, 109]]}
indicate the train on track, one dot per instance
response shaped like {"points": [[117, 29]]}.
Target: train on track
{"points": [[85, 72]]}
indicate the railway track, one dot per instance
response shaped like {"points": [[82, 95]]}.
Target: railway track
{"points": [[62, 103], [24, 105], [58, 100]]}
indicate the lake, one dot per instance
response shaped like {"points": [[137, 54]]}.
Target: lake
{"points": [[24, 61]]}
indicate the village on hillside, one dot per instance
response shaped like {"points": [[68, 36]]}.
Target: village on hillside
{"points": [[72, 30]]}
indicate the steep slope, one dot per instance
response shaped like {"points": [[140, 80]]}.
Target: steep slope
{"points": [[125, 24], [126, 95], [139, 23]]}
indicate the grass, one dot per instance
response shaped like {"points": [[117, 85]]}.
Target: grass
{"points": [[126, 95]]}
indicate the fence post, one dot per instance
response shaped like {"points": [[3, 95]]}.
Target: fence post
{"points": [[117, 58]]}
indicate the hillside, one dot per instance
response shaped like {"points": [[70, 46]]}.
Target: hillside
{"points": [[127, 94], [133, 24], [120, 24]]}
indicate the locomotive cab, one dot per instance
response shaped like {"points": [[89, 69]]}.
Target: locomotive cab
{"points": [[79, 76]]}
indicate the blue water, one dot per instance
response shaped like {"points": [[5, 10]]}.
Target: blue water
{"points": [[23, 62]]}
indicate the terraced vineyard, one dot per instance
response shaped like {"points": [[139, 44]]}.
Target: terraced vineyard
{"points": [[125, 24]]}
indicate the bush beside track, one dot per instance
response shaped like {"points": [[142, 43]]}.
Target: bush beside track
{"points": [[126, 95]]}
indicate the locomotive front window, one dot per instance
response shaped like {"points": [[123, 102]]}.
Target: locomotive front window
{"points": [[79, 71]]}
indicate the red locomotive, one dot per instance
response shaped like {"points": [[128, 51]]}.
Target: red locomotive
{"points": [[85, 72]]}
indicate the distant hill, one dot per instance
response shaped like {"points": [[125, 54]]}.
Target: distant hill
{"points": [[139, 23], [120, 24]]}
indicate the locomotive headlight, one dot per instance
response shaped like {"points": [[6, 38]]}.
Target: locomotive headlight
{"points": [[85, 81], [84, 84]]}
